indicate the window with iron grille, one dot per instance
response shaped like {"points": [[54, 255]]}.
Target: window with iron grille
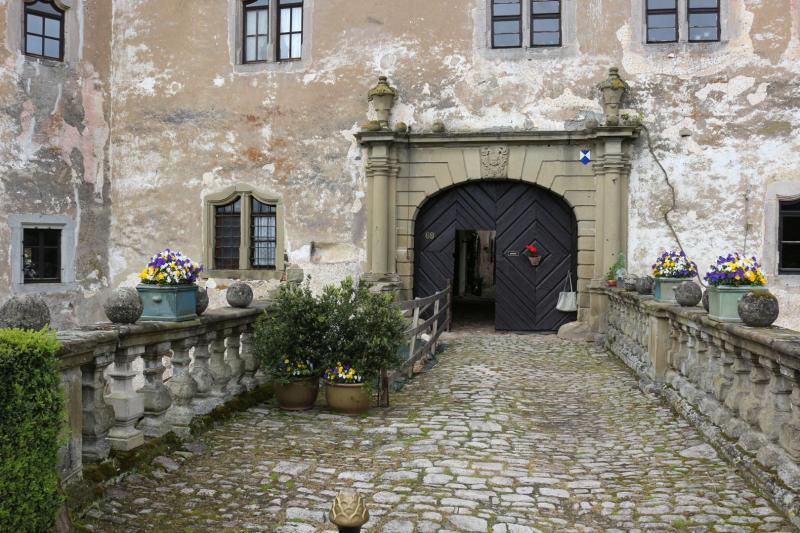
{"points": [[704, 22], [545, 23], [227, 235], [789, 232], [256, 30], [662, 21], [506, 24], [290, 30], [41, 255], [44, 30], [263, 234]]}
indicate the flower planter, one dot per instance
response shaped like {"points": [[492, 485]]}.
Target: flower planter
{"points": [[347, 398], [665, 288], [611, 282], [297, 395], [176, 303], [535, 260], [723, 302]]}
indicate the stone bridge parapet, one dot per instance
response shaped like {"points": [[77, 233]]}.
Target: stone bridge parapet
{"points": [[212, 362], [739, 385]]}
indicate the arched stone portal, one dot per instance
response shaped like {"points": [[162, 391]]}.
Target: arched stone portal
{"points": [[474, 235]]}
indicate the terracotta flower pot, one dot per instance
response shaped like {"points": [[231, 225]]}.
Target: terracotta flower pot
{"points": [[348, 398], [297, 395], [612, 283], [535, 260]]}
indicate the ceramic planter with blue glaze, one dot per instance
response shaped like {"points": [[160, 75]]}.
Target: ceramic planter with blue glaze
{"points": [[168, 303]]}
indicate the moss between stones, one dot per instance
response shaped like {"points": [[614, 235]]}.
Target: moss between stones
{"points": [[96, 477]]}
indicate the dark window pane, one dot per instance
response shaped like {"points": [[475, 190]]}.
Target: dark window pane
{"points": [[43, 7], [546, 39], [250, 49], [503, 9], [790, 228], [507, 26], [661, 21], [52, 28], [284, 46], [546, 25], [52, 48], [257, 3], [703, 20], [286, 20], [662, 4], [251, 22], [549, 6], [703, 4], [263, 232], [41, 255], [33, 45], [703, 34], [227, 235], [35, 24], [662, 35], [507, 40], [790, 256]]}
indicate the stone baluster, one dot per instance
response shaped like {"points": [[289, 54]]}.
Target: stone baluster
{"points": [[790, 433], [713, 363], [157, 398], [98, 416], [232, 346], [705, 364], [778, 402], [127, 404], [251, 365], [220, 370], [202, 403], [741, 379], [724, 380], [752, 403], [682, 359], [694, 367], [183, 388]]}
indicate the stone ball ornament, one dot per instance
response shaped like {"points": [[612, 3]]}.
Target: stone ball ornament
{"points": [[759, 308], [202, 300], [25, 312], [123, 306], [688, 294], [239, 294], [349, 511], [644, 285]]}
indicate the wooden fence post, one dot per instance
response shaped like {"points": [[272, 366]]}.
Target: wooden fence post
{"points": [[449, 305], [435, 326]]}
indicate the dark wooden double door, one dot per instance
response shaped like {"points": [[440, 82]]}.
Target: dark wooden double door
{"points": [[520, 214]]}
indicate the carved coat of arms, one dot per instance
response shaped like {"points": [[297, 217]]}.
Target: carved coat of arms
{"points": [[494, 162]]}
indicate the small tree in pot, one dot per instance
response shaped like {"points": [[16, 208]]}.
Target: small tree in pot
{"points": [[364, 337], [289, 340]]}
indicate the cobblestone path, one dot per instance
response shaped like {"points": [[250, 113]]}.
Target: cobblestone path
{"points": [[507, 434]]}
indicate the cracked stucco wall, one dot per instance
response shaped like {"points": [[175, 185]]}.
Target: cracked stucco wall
{"points": [[54, 143], [187, 121]]}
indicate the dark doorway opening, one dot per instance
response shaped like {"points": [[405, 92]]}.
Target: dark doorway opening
{"points": [[474, 279]]}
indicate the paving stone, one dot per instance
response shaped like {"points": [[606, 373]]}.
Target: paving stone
{"points": [[507, 433]]}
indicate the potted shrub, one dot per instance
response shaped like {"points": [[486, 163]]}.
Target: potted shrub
{"points": [[167, 287], [616, 271], [288, 341], [532, 253], [670, 270], [729, 280], [364, 337]]}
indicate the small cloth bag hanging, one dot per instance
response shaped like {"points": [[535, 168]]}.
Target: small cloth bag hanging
{"points": [[567, 299]]}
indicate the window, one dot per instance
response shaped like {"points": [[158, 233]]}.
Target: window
{"points": [[662, 21], [703, 20], [506, 24], [263, 237], [227, 235], [545, 23], [290, 30], [243, 234], [789, 237], [44, 30], [256, 30], [41, 255]]}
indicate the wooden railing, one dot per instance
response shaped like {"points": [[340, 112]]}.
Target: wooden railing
{"points": [[429, 317]]}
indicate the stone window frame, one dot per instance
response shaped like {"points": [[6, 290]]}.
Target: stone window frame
{"points": [[72, 28], [569, 36], [777, 192], [18, 223], [223, 197], [272, 64], [640, 30]]}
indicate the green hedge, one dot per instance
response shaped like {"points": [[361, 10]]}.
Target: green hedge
{"points": [[31, 418]]}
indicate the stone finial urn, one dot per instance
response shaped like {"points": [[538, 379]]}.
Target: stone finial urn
{"points": [[349, 511], [613, 91], [759, 308], [382, 97]]}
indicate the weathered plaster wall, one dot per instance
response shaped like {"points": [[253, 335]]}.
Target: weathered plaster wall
{"points": [[187, 121], [54, 148]]}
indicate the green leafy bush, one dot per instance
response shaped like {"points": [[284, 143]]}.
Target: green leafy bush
{"points": [[31, 418], [290, 336]]}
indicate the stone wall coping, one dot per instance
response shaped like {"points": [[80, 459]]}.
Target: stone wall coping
{"points": [[779, 344], [510, 137], [83, 345]]}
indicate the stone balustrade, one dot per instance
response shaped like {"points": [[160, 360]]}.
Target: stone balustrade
{"points": [[739, 385], [212, 362]]}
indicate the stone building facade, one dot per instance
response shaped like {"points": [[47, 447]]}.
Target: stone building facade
{"points": [[161, 112]]}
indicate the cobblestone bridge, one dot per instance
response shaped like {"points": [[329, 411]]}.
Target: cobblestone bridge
{"points": [[507, 434]]}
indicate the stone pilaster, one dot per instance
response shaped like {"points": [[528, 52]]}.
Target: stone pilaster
{"points": [[98, 416]]}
